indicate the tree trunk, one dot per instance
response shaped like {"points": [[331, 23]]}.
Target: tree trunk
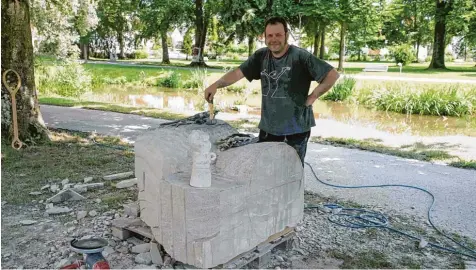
{"points": [[438, 57], [317, 41], [200, 32], [165, 49], [323, 40], [17, 54], [465, 51], [342, 46], [120, 40], [251, 44], [86, 52], [230, 38], [418, 48], [84, 47], [269, 6]]}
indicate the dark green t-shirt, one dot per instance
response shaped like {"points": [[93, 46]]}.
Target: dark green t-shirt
{"points": [[285, 84]]}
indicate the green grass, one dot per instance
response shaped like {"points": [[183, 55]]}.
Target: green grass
{"points": [[464, 164], [70, 155], [364, 260], [65, 102], [454, 70], [115, 74], [341, 90], [117, 199], [416, 151], [370, 145], [424, 99]]}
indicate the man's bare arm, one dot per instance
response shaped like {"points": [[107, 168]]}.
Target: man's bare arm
{"points": [[323, 87], [326, 84], [228, 79]]}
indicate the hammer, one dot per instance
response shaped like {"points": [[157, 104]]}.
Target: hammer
{"points": [[211, 111]]}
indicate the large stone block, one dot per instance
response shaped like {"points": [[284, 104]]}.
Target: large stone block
{"points": [[256, 191]]}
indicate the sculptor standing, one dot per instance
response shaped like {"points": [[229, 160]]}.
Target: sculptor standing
{"points": [[286, 73]]}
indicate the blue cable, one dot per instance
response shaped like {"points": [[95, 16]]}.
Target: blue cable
{"points": [[366, 219]]}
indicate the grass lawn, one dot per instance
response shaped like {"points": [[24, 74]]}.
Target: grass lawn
{"points": [[131, 73], [417, 151], [465, 71], [69, 102], [68, 155]]}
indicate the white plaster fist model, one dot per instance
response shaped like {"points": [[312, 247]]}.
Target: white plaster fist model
{"points": [[256, 191], [201, 158]]}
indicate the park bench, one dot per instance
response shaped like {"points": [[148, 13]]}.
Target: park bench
{"points": [[383, 68]]}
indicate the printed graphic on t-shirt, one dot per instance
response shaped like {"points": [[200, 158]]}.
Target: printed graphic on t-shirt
{"points": [[271, 84]]}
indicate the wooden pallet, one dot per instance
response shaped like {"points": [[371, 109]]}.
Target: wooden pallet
{"points": [[258, 257], [124, 228]]}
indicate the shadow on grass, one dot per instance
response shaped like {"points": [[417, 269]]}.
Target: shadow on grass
{"points": [[72, 155]]}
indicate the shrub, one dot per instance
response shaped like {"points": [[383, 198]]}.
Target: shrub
{"points": [[449, 58], [427, 100], [403, 54], [68, 79], [342, 90], [197, 80], [141, 54], [171, 81]]}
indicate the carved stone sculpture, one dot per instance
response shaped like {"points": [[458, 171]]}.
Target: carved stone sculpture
{"points": [[201, 158], [256, 191]]}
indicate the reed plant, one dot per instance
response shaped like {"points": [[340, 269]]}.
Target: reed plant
{"points": [[424, 99]]}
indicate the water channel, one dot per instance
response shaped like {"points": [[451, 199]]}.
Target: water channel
{"points": [[182, 101]]}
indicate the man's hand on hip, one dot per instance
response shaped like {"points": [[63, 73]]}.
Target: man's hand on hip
{"points": [[311, 98], [323, 87]]}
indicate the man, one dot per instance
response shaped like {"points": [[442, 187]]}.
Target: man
{"points": [[286, 72]]}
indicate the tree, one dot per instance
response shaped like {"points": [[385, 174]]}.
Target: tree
{"points": [[17, 54], [216, 37], [85, 20], [187, 42], [318, 14], [409, 22], [201, 23], [54, 26], [159, 17], [365, 30], [345, 12], [461, 23], [114, 16], [443, 8]]}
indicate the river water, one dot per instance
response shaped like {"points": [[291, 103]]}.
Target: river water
{"points": [[185, 101]]}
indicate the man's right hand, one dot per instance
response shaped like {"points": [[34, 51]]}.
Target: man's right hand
{"points": [[210, 93], [228, 79]]}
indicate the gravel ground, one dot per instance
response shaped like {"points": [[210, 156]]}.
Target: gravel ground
{"points": [[318, 242]]}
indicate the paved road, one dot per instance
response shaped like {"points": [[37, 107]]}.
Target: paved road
{"points": [[454, 210]]}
